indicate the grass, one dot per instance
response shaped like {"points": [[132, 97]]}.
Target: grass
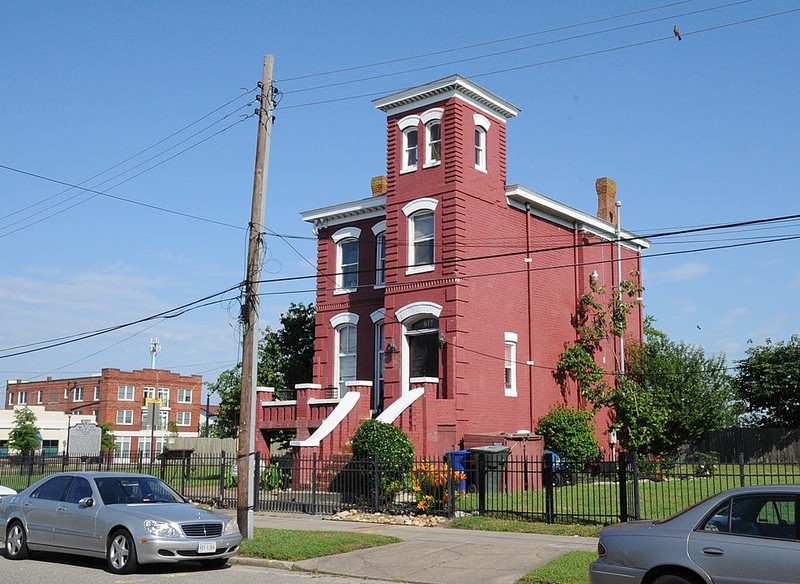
{"points": [[491, 524], [568, 568], [294, 545]]}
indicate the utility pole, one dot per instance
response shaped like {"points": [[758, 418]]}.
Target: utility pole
{"points": [[245, 494]]}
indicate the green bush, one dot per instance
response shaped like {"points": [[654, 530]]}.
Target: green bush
{"points": [[569, 432], [386, 449], [386, 443]]}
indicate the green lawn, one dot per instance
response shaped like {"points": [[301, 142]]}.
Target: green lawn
{"points": [[293, 545], [568, 568]]}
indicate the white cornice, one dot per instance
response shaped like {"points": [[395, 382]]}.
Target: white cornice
{"points": [[372, 207], [547, 208], [455, 85]]}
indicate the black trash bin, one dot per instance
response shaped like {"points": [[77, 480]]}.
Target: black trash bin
{"points": [[457, 460], [489, 460]]}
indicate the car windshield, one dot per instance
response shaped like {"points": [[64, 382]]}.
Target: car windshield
{"points": [[124, 490]]}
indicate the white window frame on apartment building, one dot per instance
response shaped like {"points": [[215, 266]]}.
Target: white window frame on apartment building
{"points": [[126, 393], [379, 230], [183, 418], [345, 324], [409, 126], [77, 394], [416, 211], [482, 125], [346, 240], [510, 364], [184, 396], [124, 417], [432, 119]]}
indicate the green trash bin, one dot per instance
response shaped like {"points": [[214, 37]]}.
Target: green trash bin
{"points": [[489, 461]]}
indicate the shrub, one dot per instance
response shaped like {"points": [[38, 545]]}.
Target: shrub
{"points": [[389, 452], [570, 433]]}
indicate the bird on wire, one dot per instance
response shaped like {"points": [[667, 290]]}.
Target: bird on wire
{"points": [[677, 32]]}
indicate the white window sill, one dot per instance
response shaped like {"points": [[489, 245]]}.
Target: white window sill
{"points": [[379, 286], [418, 270], [510, 392], [432, 164], [407, 170], [481, 169], [340, 291]]}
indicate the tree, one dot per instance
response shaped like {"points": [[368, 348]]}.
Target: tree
{"points": [[695, 390], [285, 358], [769, 383], [107, 439], [637, 416], [24, 435]]}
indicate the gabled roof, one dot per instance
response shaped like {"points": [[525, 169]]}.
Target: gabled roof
{"points": [[455, 85]]}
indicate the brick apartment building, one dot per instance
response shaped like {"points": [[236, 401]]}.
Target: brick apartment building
{"points": [[445, 299], [121, 398]]}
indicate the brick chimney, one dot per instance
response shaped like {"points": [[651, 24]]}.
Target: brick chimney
{"points": [[380, 185], [606, 198]]}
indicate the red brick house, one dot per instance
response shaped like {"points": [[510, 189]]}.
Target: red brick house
{"points": [[121, 397], [445, 298]]}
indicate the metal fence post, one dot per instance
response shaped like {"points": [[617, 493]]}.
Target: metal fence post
{"points": [[481, 476], [222, 469], [256, 479], [622, 479], [741, 469], [451, 491], [376, 483], [637, 511], [549, 495], [313, 483]]}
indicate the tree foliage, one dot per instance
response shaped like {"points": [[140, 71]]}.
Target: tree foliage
{"points": [[285, 358], [24, 435], [694, 391], [569, 432], [637, 417], [107, 439], [769, 382]]}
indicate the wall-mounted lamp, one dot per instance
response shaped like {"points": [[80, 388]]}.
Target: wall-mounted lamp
{"points": [[594, 277], [442, 341], [391, 346]]}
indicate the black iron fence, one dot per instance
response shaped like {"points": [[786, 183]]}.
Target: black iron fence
{"points": [[484, 483]]}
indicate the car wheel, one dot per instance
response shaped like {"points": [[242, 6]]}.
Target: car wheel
{"points": [[558, 480], [16, 542], [121, 553], [215, 563], [671, 579]]}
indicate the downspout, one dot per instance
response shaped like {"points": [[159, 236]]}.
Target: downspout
{"points": [[575, 279], [619, 285], [529, 261]]}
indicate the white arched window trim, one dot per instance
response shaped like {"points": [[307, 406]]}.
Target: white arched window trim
{"points": [[344, 318], [379, 228], [346, 233], [432, 114], [417, 309], [423, 204]]}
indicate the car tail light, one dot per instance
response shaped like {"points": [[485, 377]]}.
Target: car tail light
{"points": [[601, 549]]}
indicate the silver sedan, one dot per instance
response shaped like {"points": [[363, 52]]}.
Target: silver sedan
{"points": [[128, 519], [742, 535]]}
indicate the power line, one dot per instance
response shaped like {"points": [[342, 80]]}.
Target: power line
{"points": [[515, 49], [555, 60], [478, 45]]}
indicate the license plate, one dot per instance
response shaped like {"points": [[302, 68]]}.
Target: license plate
{"points": [[206, 547]]}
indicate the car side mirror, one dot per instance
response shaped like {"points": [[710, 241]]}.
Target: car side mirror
{"points": [[86, 502]]}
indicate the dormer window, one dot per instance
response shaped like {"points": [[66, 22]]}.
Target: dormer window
{"points": [[482, 125], [346, 259]]}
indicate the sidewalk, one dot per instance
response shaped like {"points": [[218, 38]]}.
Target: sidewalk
{"points": [[427, 555]]}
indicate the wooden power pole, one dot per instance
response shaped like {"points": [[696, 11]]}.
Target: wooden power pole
{"points": [[245, 494]]}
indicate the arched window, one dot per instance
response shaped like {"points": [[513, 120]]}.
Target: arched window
{"points": [[421, 234], [433, 140], [482, 125], [410, 148], [345, 356], [423, 347], [346, 259]]}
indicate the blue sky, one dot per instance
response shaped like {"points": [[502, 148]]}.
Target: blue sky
{"points": [[696, 132]]}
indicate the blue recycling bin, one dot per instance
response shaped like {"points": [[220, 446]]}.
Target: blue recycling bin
{"points": [[457, 460]]}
